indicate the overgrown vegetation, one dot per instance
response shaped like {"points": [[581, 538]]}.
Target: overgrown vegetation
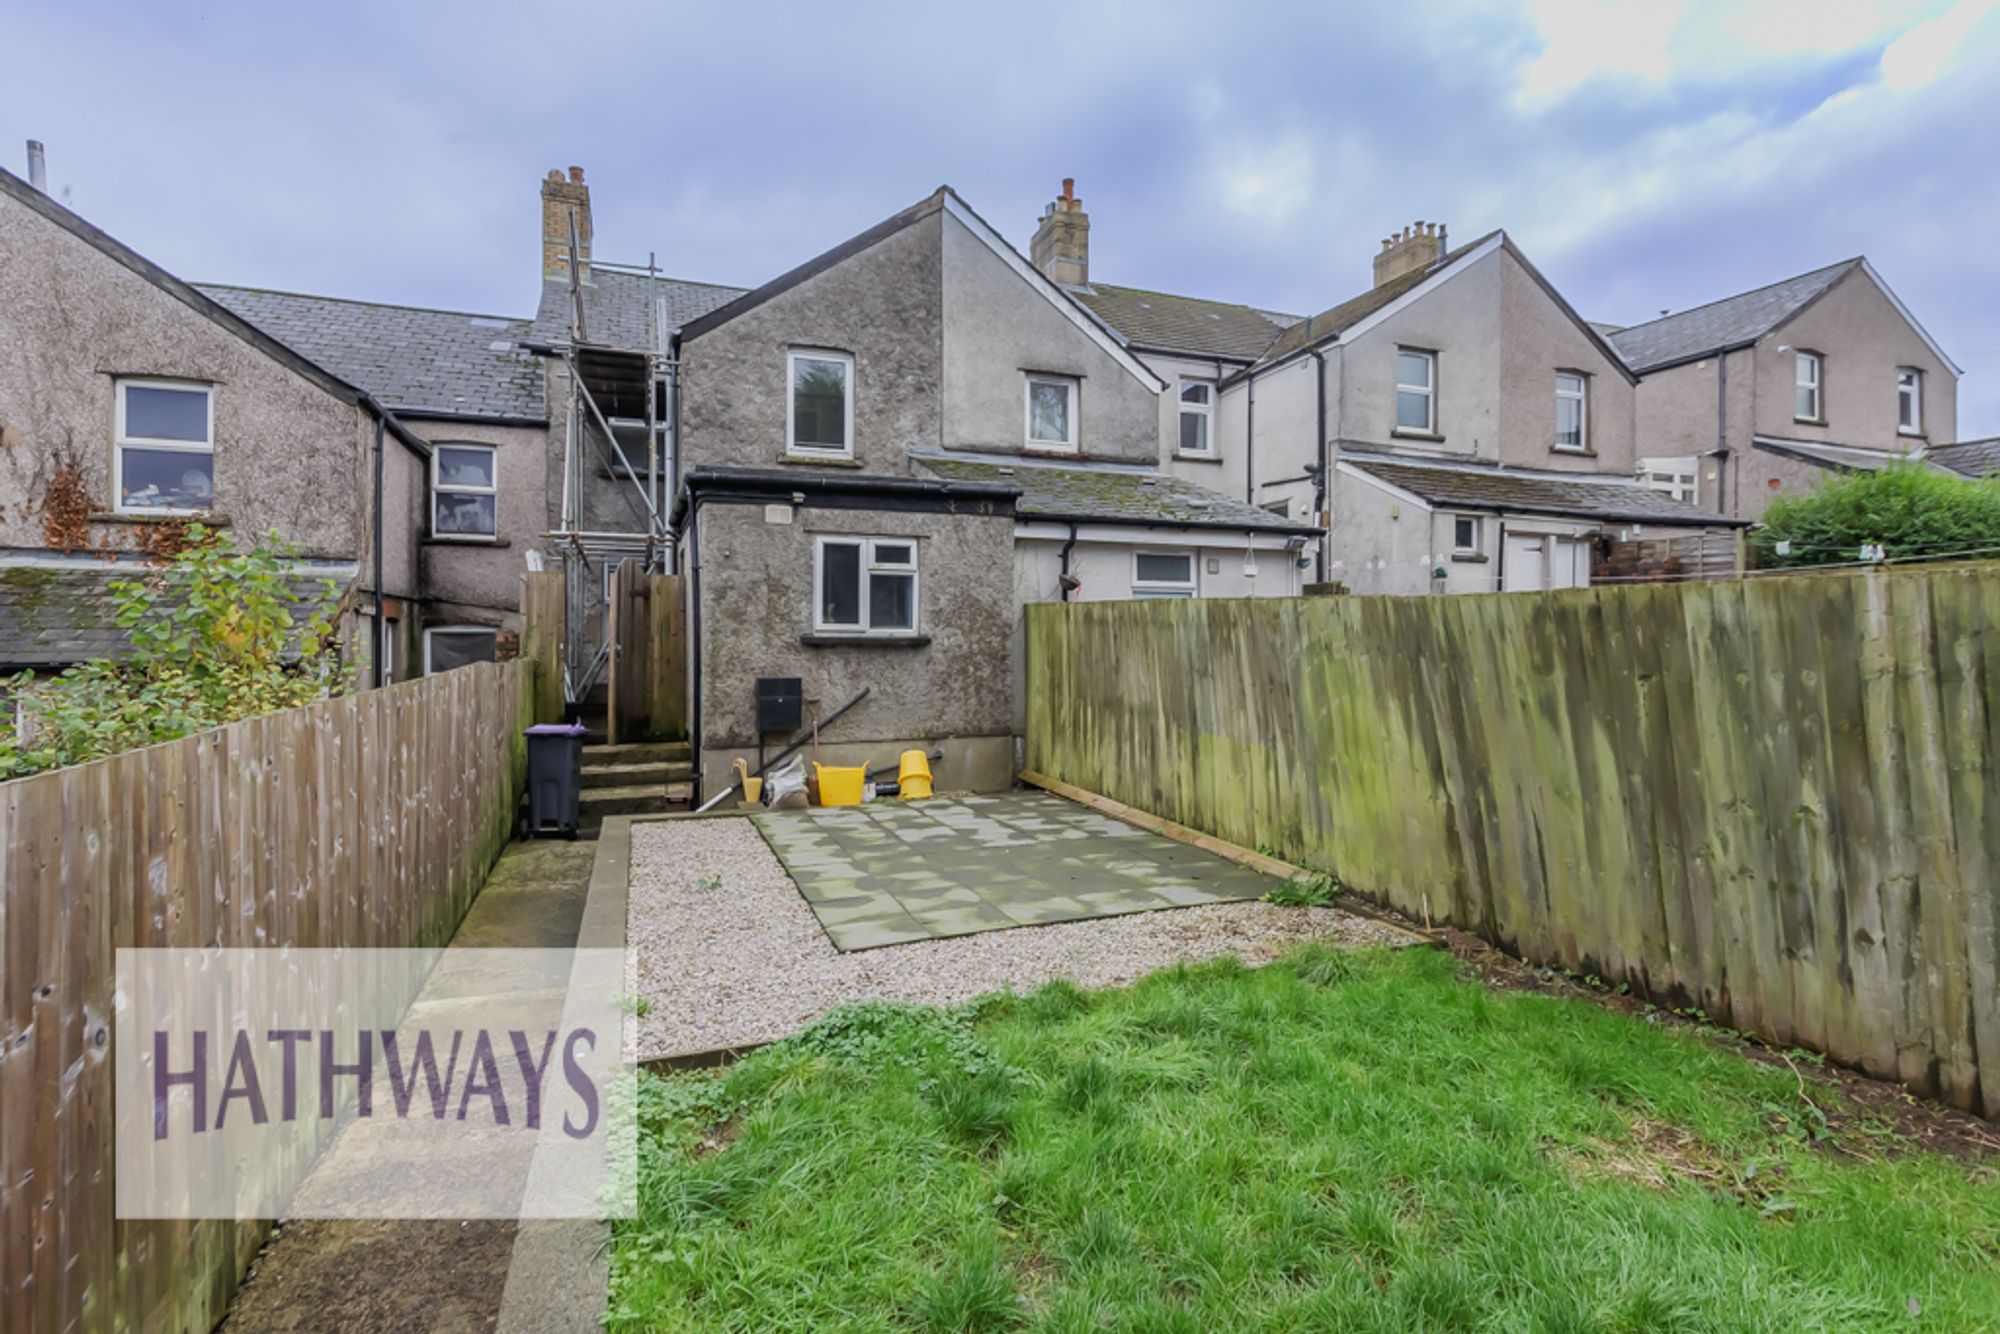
{"points": [[1317, 891], [214, 639], [1912, 513], [1353, 1142]]}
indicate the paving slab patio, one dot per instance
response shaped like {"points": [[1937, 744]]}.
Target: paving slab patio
{"points": [[891, 872]]}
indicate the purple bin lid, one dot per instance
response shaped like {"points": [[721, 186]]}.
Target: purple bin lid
{"points": [[555, 729]]}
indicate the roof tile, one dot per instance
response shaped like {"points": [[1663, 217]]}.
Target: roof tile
{"points": [[1730, 322], [1582, 496]]}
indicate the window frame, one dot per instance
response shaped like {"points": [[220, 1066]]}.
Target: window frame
{"points": [[440, 487], [1163, 589], [1205, 411], [1478, 533], [1803, 357], [1429, 391], [120, 441], [1910, 386], [489, 631], [869, 566], [793, 449], [1071, 384], [1582, 398]]}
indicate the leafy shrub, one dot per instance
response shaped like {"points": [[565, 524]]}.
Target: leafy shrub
{"points": [[1317, 891], [1908, 510], [214, 640]]}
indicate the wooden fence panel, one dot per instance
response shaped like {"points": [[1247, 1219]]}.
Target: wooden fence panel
{"points": [[369, 820], [668, 683], [1775, 799]]}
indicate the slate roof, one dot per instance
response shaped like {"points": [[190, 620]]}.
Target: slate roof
{"points": [[52, 616], [1352, 311], [1841, 458], [1582, 496], [1731, 322], [618, 308], [1161, 322], [1106, 495], [409, 357], [1972, 458]]}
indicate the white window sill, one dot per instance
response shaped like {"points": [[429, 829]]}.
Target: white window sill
{"points": [[157, 514], [864, 639], [811, 459], [1581, 451], [1193, 456]]}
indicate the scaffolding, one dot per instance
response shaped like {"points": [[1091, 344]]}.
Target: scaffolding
{"points": [[613, 391]]}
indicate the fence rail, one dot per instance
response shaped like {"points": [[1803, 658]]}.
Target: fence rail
{"points": [[1776, 799], [369, 820]]}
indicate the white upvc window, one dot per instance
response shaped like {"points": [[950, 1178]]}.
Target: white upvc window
{"points": [[819, 403], [465, 492], [1051, 413], [164, 456], [1465, 535], [1416, 390], [1163, 574], [1197, 407], [865, 585], [1675, 475], [1909, 401], [1572, 412], [1808, 406], [449, 646]]}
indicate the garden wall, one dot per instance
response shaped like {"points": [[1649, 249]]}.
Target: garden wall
{"points": [[369, 820], [1773, 799]]}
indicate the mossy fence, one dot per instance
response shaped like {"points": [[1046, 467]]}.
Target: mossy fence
{"points": [[369, 820], [1777, 799]]}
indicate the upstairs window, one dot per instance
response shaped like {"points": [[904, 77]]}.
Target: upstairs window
{"points": [[1572, 412], [1051, 413], [1416, 391], [819, 417], [165, 451], [464, 496], [1909, 401], [865, 585], [1807, 405], [1197, 406], [1163, 574]]}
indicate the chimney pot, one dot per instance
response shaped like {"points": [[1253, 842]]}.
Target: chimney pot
{"points": [[38, 172], [1061, 248], [576, 175], [1417, 246]]}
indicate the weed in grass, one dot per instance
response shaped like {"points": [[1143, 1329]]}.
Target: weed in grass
{"points": [[971, 1294], [977, 1112], [1319, 891], [1319, 964]]}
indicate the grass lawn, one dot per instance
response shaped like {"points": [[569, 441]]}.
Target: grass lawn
{"points": [[1367, 1142]]}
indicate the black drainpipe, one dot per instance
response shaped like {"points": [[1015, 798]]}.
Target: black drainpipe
{"points": [[1319, 488], [375, 650], [1063, 583], [1250, 438], [693, 567], [1721, 432]]}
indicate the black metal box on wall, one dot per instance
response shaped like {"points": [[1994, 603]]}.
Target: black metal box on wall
{"points": [[780, 703]]}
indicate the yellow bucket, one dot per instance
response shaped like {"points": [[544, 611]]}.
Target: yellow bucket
{"points": [[913, 774], [840, 784]]}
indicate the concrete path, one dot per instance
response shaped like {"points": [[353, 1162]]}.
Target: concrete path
{"points": [[431, 1277], [891, 872]]}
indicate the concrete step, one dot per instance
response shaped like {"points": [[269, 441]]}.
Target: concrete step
{"points": [[638, 800], [596, 753], [654, 774]]}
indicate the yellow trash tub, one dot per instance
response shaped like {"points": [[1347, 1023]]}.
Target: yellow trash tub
{"points": [[913, 774], [840, 784]]}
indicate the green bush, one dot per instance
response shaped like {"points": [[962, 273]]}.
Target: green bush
{"points": [[214, 640], [1908, 510]]}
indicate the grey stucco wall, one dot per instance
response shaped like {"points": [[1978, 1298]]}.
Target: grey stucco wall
{"points": [[289, 455], [756, 601], [1537, 340], [997, 328], [488, 574], [1459, 320], [880, 306]]}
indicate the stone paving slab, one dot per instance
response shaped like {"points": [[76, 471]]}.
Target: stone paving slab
{"points": [[890, 872]]}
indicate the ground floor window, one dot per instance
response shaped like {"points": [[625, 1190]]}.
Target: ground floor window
{"points": [[1163, 574], [865, 585], [449, 646], [1465, 534]]}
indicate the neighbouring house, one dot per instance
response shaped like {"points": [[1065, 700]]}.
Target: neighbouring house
{"points": [[1455, 428], [1764, 394], [132, 404], [1967, 458], [889, 450]]}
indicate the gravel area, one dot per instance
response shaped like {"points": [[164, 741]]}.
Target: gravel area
{"points": [[727, 953]]}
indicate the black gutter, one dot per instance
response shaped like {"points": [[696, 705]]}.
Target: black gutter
{"points": [[756, 485], [1162, 521], [474, 418]]}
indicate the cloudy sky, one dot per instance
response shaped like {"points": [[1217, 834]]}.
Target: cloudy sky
{"points": [[1647, 155]]}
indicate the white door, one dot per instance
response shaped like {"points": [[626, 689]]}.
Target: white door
{"points": [[1571, 568], [1525, 564]]}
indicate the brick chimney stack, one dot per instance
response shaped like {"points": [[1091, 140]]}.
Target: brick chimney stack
{"points": [[1061, 248], [564, 197], [1417, 246]]}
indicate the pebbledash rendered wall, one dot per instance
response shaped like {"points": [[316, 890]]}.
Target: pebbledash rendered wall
{"points": [[1775, 799]]}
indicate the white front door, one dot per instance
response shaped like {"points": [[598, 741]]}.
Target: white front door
{"points": [[1524, 564], [1571, 568]]}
